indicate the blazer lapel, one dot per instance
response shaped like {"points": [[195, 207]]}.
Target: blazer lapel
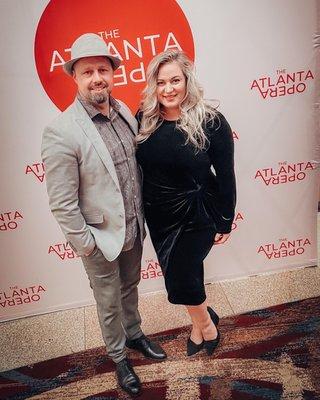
{"points": [[85, 122], [126, 114]]}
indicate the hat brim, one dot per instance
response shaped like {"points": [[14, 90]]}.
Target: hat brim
{"points": [[68, 66]]}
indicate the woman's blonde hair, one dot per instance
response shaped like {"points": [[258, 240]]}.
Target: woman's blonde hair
{"points": [[195, 113]]}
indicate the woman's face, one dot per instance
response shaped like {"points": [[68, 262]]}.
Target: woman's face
{"points": [[171, 87]]}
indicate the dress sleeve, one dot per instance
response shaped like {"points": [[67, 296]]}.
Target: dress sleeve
{"points": [[221, 153]]}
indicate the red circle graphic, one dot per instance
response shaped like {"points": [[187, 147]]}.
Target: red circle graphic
{"points": [[135, 30]]}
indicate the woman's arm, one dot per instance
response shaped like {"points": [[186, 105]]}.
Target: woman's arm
{"points": [[221, 153]]}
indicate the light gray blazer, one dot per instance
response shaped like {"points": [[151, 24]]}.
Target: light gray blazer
{"points": [[82, 184]]}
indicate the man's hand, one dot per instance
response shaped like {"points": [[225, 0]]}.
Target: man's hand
{"points": [[221, 238]]}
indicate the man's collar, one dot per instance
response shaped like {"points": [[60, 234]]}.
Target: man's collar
{"points": [[93, 111], [114, 104]]}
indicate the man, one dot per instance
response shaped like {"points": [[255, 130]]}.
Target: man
{"points": [[93, 185]]}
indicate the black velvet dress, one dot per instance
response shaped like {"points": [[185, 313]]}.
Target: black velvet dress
{"points": [[186, 202]]}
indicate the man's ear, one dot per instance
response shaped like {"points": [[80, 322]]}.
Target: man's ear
{"points": [[74, 75]]}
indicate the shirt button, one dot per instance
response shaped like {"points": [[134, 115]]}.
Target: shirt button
{"points": [[135, 196], [133, 178]]}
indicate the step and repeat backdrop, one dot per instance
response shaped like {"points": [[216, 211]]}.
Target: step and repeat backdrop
{"points": [[256, 58]]}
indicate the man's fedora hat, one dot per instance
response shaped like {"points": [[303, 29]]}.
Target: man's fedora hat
{"points": [[89, 45]]}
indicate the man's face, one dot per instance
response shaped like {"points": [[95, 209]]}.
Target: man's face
{"points": [[94, 77]]}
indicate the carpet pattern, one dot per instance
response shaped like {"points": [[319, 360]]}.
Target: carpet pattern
{"points": [[271, 354]]}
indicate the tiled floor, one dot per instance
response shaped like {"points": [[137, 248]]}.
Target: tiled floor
{"points": [[32, 339]]}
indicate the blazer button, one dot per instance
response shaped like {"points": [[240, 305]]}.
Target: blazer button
{"points": [[121, 215]]}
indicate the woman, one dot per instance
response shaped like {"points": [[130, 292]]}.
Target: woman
{"points": [[188, 206]]}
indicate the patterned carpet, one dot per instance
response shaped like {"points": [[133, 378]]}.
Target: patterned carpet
{"points": [[267, 354]]}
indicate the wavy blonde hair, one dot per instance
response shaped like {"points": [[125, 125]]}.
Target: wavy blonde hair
{"points": [[195, 112]]}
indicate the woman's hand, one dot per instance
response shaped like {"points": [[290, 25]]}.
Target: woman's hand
{"points": [[221, 238]]}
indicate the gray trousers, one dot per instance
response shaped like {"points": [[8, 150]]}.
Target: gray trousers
{"points": [[114, 286]]}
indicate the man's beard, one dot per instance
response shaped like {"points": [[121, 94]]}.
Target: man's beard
{"points": [[98, 98]]}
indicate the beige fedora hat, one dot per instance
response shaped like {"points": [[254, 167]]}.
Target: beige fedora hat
{"points": [[89, 45]]}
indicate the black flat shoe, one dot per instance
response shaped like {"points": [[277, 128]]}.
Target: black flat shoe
{"points": [[193, 348], [210, 345], [127, 378], [214, 316]]}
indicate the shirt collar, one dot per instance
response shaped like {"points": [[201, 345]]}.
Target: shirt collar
{"points": [[93, 111]]}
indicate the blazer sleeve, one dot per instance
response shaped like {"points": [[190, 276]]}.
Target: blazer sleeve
{"points": [[221, 153], [62, 180]]}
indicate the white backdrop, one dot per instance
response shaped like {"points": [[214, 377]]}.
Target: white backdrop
{"points": [[256, 58]]}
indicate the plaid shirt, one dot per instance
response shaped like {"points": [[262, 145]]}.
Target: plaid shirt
{"points": [[120, 142]]}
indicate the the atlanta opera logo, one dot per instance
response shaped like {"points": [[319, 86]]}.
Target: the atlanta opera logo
{"points": [[135, 31], [16, 296], [283, 84], [151, 270], [284, 248], [10, 220], [237, 219], [36, 170], [284, 172], [63, 251]]}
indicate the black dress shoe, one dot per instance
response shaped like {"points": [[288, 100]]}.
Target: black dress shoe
{"points": [[214, 316], [193, 348], [147, 348], [127, 378], [210, 345]]}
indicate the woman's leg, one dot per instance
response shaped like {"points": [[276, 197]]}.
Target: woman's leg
{"points": [[184, 279], [196, 334], [202, 325]]}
